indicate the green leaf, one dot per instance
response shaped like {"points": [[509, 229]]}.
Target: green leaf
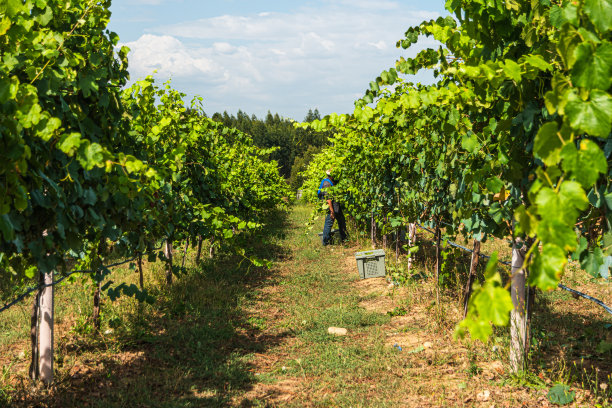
{"points": [[479, 329], [88, 85], [527, 222], [600, 13], [470, 143], [538, 62], [30, 272], [585, 164], [568, 41], [69, 143], [593, 262], [7, 228], [491, 268], [593, 67], [5, 24], [593, 116], [133, 165], [560, 394], [20, 201], [583, 244], [573, 199], [494, 304], [557, 232], [548, 202], [547, 267], [512, 70], [494, 184], [90, 155], [14, 6], [43, 19], [548, 144]]}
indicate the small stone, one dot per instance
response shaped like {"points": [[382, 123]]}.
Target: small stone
{"points": [[428, 344], [109, 331], [483, 396], [337, 331]]}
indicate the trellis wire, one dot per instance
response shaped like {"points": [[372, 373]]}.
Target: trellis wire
{"points": [[42, 285], [560, 286]]}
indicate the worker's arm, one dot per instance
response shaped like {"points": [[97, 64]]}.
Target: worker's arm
{"points": [[331, 209]]}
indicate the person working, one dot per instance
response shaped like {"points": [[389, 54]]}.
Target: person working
{"points": [[334, 212]]}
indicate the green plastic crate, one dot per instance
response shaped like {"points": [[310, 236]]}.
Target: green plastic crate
{"points": [[371, 264]]}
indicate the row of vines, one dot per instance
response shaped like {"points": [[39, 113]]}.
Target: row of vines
{"points": [[511, 141], [92, 172]]}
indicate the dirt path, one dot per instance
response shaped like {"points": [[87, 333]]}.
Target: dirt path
{"points": [[407, 359]]}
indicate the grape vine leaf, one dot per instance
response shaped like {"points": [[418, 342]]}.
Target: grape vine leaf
{"points": [[593, 67], [593, 116], [600, 13], [585, 164], [547, 267], [547, 144]]}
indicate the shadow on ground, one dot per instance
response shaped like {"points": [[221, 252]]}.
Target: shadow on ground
{"points": [[567, 334], [191, 349]]}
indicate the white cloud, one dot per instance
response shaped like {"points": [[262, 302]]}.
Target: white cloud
{"points": [[169, 57], [280, 61]]}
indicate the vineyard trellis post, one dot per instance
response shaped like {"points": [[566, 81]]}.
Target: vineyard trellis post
{"points": [[185, 252], [199, 252], [397, 246], [168, 255], [96, 306], [411, 242], [518, 315], [467, 293], [140, 275], [438, 263], [373, 230], [45, 332], [384, 237], [33, 372], [211, 250]]}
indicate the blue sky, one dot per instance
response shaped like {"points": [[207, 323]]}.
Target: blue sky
{"points": [[282, 56]]}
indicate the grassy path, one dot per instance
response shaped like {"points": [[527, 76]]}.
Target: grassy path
{"points": [[229, 334]]}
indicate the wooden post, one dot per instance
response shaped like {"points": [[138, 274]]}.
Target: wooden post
{"points": [[397, 246], [385, 235], [33, 372], [185, 252], [199, 252], [373, 230], [211, 250], [518, 315], [45, 345], [411, 242], [467, 293], [168, 255], [140, 276], [96, 307], [438, 263]]}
